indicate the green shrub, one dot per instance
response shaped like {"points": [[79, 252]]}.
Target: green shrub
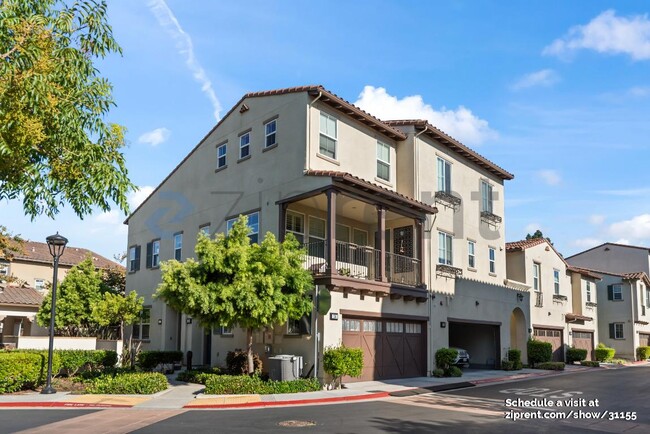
{"points": [[244, 385], [453, 371], [514, 355], [438, 373], [198, 376], [507, 365], [590, 363], [72, 361], [340, 361], [517, 365], [603, 353], [445, 358], [237, 362], [148, 360], [575, 355], [539, 352], [20, 370], [136, 383], [551, 366], [643, 353]]}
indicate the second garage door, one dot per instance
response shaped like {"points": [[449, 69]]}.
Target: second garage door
{"points": [[391, 348], [644, 340], [584, 341], [554, 337]]}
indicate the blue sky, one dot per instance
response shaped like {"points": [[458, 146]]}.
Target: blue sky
{"points": [[557, 93]]}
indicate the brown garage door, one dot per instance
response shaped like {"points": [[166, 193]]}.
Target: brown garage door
{"points": [[391, 348], [644, 340], [584, 341], [554, 337]]}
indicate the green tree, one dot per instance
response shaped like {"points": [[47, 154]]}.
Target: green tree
{"points": [[117, 309], [114, 280], [55, 145], [76, 296], [537, 234], [236, 282]]}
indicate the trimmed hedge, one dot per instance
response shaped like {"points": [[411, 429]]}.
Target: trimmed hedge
{"points": [[340, 361], [603, 353], [514, 357], [148, 360], [438, 373], [72, 361], [453, 371], [237, 362], [590, 363], [138, 383], [244, 385], [551, 366], [643, 353], [198, 376], [575, 355], [24, 370], [539, 352], [445, 358]]}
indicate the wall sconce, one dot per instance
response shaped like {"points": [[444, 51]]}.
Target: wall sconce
{"points": [[188, 320], [549, 314], [570, 333], [530, 330], [443, 324], [520, 297], [477, 303], [160, 321]]}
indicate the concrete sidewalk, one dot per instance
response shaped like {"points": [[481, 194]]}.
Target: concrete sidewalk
{"points": [[183, 395]]}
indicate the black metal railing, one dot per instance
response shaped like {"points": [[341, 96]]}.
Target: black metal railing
{"points": [[403, 269]]}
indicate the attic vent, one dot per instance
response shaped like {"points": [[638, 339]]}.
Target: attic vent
{"points": [[607, 249], [243, 108]]}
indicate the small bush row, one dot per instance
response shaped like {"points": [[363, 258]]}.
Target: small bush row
{"points": [[590, 363], [550, 366], [342, 361], [134, 383], [149, 360], [24, 370], [513, 362], [243, 384], [539, 352], [603, 353], [575, 355], [198, 376], [643, 353]]}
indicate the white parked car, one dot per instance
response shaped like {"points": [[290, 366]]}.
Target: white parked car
{"points": [[462, 359]]}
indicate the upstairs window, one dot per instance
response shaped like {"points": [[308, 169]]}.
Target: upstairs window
{"points": [[153, 254], [486, 197], [615, 292], [492, 257], [536, 283], [178, 246], [221, 156], [295, 224], [647, 298], [471, 254], [39, 284], [328, 135], [556, 281], [444, 176], [588, 291], [142, 326], [205, 229], [445, 254], [383, 161], [4, 269], [134, 259], [244, 145], [253, 224], [269, 134]]}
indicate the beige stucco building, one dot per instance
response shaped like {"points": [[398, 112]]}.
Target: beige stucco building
{"points": [[403, 226]]}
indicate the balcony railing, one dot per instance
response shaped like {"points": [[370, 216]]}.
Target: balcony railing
{"points": [[362, 262]]}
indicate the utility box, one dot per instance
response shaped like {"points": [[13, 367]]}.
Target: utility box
{"points": [[285, 367]]}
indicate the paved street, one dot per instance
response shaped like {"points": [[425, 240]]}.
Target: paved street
{"points": [[476, 409]]}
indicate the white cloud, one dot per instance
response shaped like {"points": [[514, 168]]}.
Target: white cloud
{"points": [[155, 137], [586, 243], [544, 77], [596, 219], [607, 33], [167, 20], [636, 229], [639, 91], [550, 177], [137, 197], [460, 123]]}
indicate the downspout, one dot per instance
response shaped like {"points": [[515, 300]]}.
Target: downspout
{"points": [[416, 168], [632, 301], [308, 141]]}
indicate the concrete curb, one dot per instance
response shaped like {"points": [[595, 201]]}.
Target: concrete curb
{"points": [[294, 402]]}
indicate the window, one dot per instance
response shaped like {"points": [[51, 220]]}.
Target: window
{"points": [[394, 327], [616, 330], [444, 249], [588, 291], [141, 328], [178, 245], [536, 285], [486, 197], [205, 229], [328, 135], [253, 224], [295, 224], [360, 237], [371, 326], [342, 233], [221, 156], [351, 325], [615, 292], [269, 134], [556, 281], [155, 258], [293, 326], [471, 255], [492, 257], [39, 284], [244, 145], [383, 161], [647, 298], [413, 328], [316, 237], [134, 259], [223, 330], [4, 269], [444, 176]]}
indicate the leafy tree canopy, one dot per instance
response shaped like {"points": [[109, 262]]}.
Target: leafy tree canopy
{"points": [[537, 234], [117, 309], [55, 146]]}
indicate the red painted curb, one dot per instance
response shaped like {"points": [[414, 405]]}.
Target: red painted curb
{"points": [[60, 405], [293, 402]]}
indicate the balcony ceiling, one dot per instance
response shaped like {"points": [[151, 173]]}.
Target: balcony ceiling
{"points": [[349, 208]]}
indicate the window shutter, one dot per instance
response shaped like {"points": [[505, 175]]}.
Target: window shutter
{"points": [[611, 331], [149, 255], [610, 292], [137, 257], [448, 178]]}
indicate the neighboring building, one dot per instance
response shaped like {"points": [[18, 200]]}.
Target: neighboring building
{"points": [[23, 283], [362, 195], [563, 309], [614, 258]]}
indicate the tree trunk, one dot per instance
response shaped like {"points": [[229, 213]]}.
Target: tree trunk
{"points": [[249, 339]]}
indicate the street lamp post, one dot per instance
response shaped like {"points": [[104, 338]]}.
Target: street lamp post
{"points": [[56, 244]]}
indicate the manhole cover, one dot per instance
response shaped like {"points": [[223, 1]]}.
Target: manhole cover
{"points": [[297, 423]]}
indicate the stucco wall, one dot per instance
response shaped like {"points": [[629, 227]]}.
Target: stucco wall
{"points": [[614, 259]]}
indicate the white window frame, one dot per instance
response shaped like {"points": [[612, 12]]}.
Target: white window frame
{"points": [[492, 258], [647, 297], [39, 284], [300, 236], [328, 135], [556, 281], [618, 335], [272, 134], [141, 324], [255, 227], [205, 229], [471, 254], [245, 143], [4, 269], [537, 269], [619, 292], [222, 152], [588, 291], [132, 259], [178, 246], [445, 248], [155, 253], [293, 327], [381, 162], [487, 204], [444, 175]]}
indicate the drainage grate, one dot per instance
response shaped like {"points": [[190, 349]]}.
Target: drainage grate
{"points": [[297, 423]]}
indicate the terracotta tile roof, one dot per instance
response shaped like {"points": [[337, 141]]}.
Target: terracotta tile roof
{"points": [[525, 244], [39, 252], [640, 275], [355, 179], [25, 296], [454, 145], [584, 272]]}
